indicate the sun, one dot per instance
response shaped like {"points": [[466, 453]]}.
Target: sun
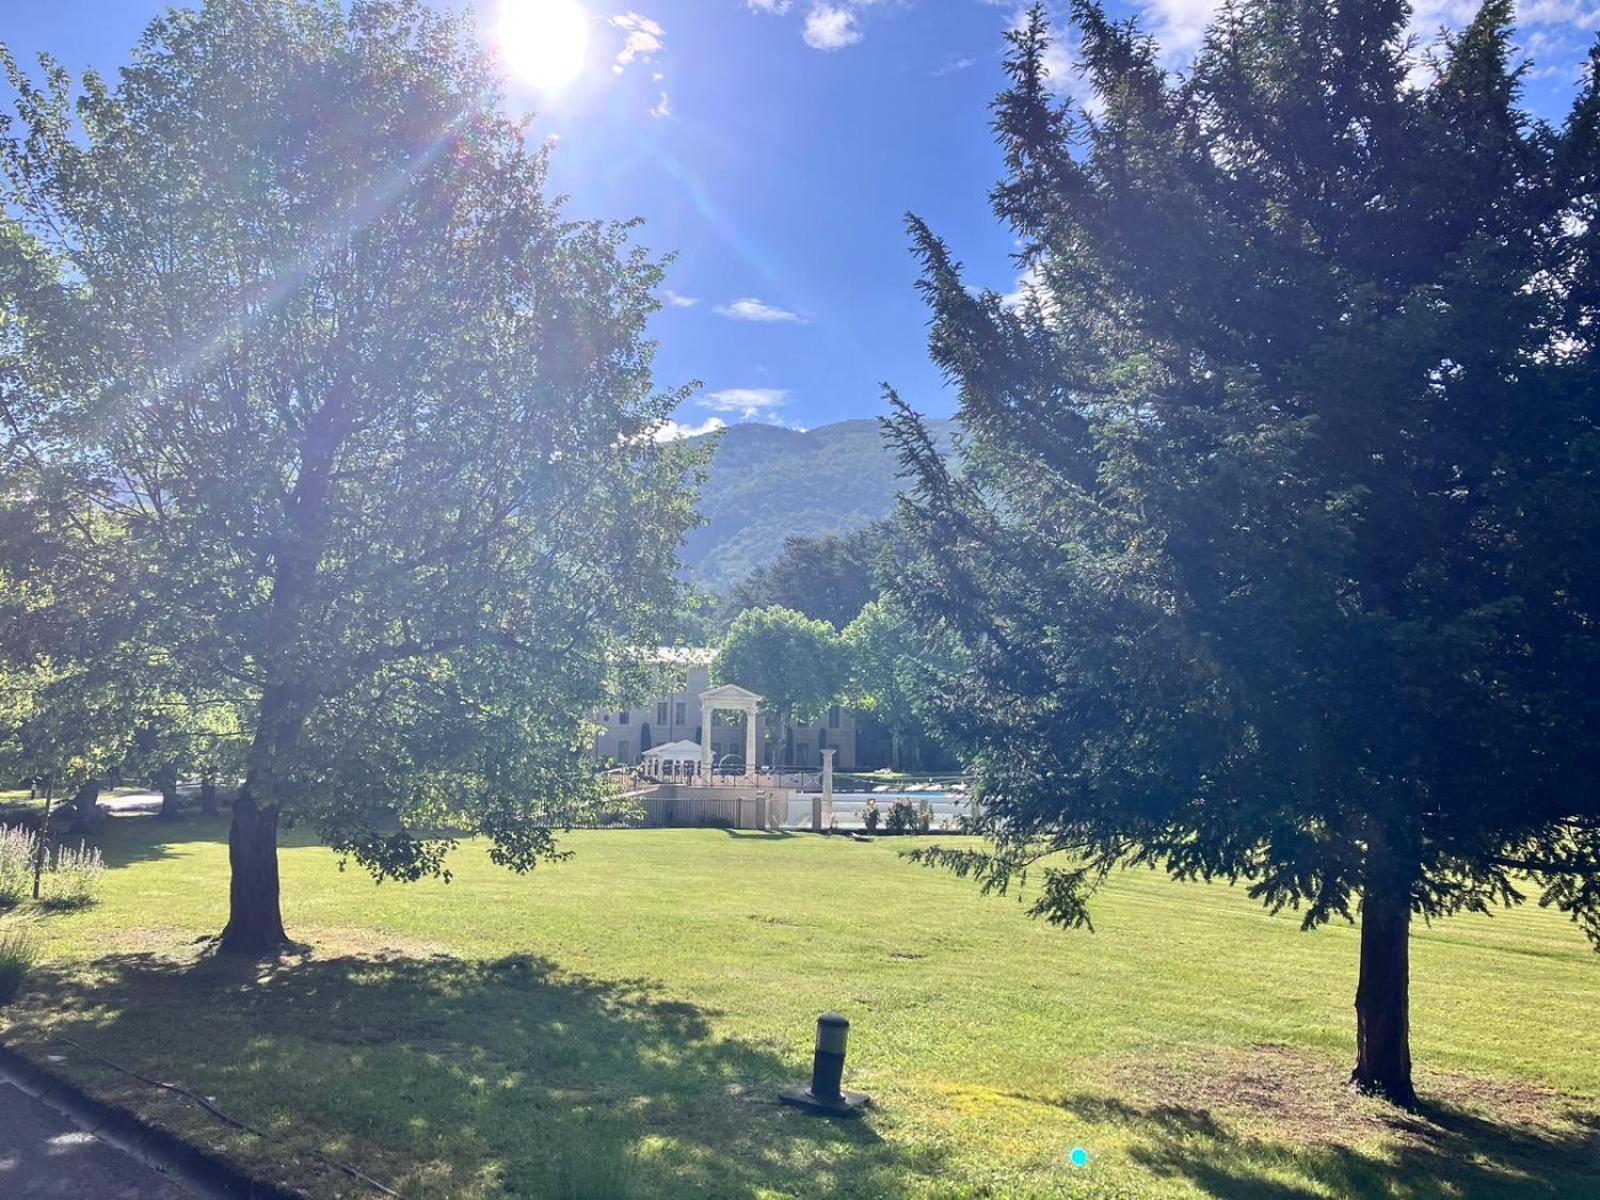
{"points": [[543, 42]]}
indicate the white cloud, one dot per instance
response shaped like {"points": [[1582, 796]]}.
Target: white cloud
{"points": [[828, 24], [675, 300], [1180, 25], [748, 403], [952, 65], [663, 108], [643, 41], [1585, 14], [751, 309], [673, 431], [1027, 282], [831, 27]]}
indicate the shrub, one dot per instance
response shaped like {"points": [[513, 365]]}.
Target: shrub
{"points": [[18, 952], [870, 816], [902, 817], [17, 848], [73, 876], [924, 816]]}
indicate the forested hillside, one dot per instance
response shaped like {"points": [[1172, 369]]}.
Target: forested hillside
{"points": [[768, 483]]}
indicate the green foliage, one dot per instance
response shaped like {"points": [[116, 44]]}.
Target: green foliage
{"points": [[361, 418], [19, 951], [798, 665], [871, 815], [768, 484], [1275, 552], [902, 817], [828, 578], [894, 668]]}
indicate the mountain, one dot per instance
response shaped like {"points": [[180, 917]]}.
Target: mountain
{"points": [[768, 483]]}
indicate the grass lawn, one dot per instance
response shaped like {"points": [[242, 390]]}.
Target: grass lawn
{"points": [[618, 1026]]}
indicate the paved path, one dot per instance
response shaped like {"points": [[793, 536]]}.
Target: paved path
{"points": [[44, 1156]]}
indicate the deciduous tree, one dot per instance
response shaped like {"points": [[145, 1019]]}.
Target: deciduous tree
{"points": [[288, 303], [797, 664], [892, 670]]}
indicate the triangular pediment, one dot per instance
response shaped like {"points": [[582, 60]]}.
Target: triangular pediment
{"points": [[731, 695]]}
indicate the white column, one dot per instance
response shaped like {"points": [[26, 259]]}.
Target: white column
{"points": [[705, 741], [750, 742], [827, 782]]}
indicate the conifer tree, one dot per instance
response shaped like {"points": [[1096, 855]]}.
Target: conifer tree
{"points": [[1277, 552]]}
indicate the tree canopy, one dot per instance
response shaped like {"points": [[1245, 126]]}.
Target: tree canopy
{"points": [[894, 668], [362, 418], [797, 664], [1275, 555], [828, 578]]}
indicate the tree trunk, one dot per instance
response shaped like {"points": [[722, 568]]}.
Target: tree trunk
{"points": [[1383, 1005], [255, 923], [168, 783], [208, 795], [85, 806]]}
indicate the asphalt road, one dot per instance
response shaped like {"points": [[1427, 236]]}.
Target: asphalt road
{"points": [[44, 1156]]}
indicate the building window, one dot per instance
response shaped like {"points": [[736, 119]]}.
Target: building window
{"points": [[661, 712], [622, 751], [833, 717], [682, 713], [622, 717]]}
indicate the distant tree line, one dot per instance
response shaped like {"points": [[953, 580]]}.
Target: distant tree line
{"points": [[834, 587]]}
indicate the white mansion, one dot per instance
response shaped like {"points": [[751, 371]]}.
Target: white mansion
{"points": [[627, 733]]}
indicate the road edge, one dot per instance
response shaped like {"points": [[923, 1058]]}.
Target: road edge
{"points": [[210, 1174]]}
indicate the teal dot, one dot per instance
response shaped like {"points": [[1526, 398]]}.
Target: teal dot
{"points": [[1079, 1157]]}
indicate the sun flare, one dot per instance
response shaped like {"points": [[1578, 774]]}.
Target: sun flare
{"points": [[543, 43]]}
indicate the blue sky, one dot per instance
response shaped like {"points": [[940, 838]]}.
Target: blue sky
{"points": [[776, 145]]}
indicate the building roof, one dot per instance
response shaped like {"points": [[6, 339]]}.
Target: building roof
{"points": [[676, 752]]}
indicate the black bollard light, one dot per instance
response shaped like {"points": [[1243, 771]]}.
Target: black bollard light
{"points": [[827, 1071]]}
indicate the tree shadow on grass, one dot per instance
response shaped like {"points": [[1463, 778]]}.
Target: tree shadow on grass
{"points": [[1441, 1151], [453, 1078]]}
